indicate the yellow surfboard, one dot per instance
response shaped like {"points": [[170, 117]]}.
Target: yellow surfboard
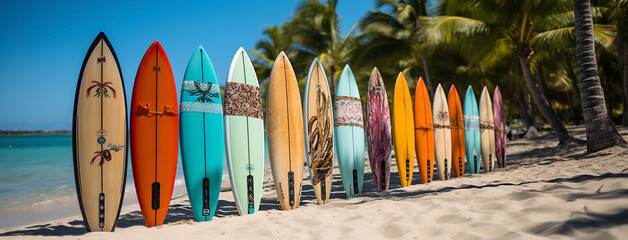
{"points": [[403, 130]]}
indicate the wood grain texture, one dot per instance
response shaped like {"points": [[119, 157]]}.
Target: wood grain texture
{"points": [[284, 119], [319, 131], [100, 111]]}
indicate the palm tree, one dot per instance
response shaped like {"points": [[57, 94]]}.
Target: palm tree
{"points": [[501, 29], [313, 32], [619, 14], [267, 50], [601, 132], [390, 39]]}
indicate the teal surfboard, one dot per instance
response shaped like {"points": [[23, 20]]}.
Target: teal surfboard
{"points": [[201, 135], [349, 133], [472, 131], [244, 133]]}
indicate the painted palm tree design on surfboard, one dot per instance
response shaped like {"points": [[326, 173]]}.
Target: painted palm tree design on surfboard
{"points": [[102, 89]]}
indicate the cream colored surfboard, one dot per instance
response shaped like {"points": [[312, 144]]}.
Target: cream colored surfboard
{"points": [[442, 134], [487, 131]]}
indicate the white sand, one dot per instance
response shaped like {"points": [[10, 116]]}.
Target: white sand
{"points": [[544, 192]]}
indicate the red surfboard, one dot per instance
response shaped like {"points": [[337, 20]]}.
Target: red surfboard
{"points": [[154, 134]]}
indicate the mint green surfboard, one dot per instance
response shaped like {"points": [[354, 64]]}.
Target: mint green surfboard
{"points": [[349, 133], [244, 133]]}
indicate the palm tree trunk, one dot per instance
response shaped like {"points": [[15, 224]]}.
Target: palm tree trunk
{"points": [[541, 102], [624, 56], [426, 66], [332, 71], [541, 78], [428, 76], [525, 112], [600, 130]]}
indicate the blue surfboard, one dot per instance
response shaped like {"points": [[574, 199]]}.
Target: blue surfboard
{"points": [[349, 133], [472, 131], [201, 135]]}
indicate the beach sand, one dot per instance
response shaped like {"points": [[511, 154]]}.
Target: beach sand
{"points": [[543, 192]]}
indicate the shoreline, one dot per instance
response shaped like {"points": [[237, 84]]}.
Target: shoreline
{"points": [[544, 191], [33, 132]]}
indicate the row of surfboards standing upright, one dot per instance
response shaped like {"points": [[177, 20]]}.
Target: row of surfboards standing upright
{"points": [[211, 126]]}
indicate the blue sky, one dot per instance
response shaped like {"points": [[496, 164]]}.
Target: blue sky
{"points": [[44, 42]]}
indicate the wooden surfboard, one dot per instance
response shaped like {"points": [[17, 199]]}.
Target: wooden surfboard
{"points": [[245, 145], [99, 137], [285, 132], [319, 132], [424, 132], [378, 131], [457, 131], [403, 127], [472, 148], [499, 120], [202, 135], [487, 131], [349, 133], [154, 134], [442, 134]]}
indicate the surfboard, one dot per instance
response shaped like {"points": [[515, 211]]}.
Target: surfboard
{"points": [[487, 131], [499, 120], [378, 131], [457, 131], [349, 133], [201, 135], [154, 134], [244, 133], [319, 133], [442, 134], [403, 126], [99, 137], [284, 125], [472, 144], [424, 132]]}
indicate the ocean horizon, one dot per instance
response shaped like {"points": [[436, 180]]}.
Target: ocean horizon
{"points": [[37, 179]]}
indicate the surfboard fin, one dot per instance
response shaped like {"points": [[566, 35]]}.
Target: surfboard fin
{"points": [[250, 193], [407, 169], [101, 210], [155, 196], [206, 209], [429, 175], [291, 188], [356, 190]]}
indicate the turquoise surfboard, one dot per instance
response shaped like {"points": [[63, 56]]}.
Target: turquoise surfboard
{"points": [[472, 131], [349, 133], [201, 135], [244, 133]]}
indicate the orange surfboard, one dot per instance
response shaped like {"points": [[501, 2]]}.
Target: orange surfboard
{"points": [[424, 132], [457, 131], [154, 134]]}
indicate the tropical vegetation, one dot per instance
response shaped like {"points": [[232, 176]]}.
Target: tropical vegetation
{"points": [[533, 49]]}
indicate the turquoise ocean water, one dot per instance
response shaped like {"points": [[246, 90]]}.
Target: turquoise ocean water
{"points": [[37, 177]]}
